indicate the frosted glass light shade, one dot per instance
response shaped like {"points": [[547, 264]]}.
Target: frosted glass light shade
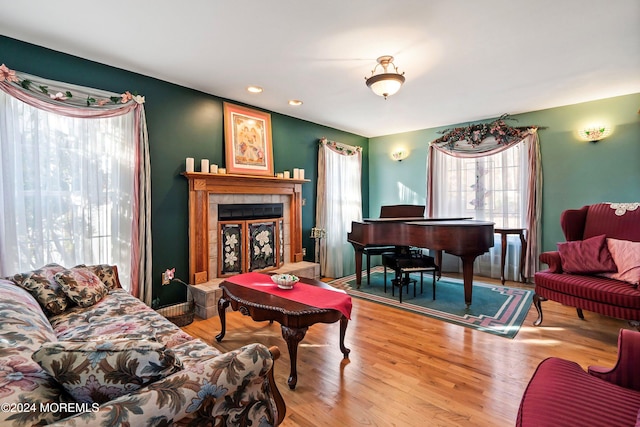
{"points": [[385, 84]]}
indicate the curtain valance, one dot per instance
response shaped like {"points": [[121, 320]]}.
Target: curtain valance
{"points": [[64, 98], [340, 148], [481, 139]]}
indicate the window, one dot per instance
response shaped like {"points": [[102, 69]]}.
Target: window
{"points": [[339, 202], [67, 189], [489, 188]]}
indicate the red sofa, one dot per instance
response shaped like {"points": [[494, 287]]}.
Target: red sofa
{"points": [[584, 286], [560, 393]]}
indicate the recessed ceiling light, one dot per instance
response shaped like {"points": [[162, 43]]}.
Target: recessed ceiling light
{"points": [[254, 89], [295, 102]]}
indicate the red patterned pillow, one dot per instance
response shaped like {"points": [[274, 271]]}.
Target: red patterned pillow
{"points": [[626, 255], [81, 286], [589, 256]]}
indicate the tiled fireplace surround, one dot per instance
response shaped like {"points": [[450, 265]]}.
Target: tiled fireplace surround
{"points": [[206, 192]]}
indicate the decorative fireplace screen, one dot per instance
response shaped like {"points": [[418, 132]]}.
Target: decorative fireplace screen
{"points": [[247, 244]]}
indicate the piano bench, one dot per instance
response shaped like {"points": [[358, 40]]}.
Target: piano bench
{"points": [[404, 266]]}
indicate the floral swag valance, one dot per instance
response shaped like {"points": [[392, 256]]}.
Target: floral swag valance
{"points": [[482, 137], [63, 95], [344, 149]]}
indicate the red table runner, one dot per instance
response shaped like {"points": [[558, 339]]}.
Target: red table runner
{"points": [[306, 294]]}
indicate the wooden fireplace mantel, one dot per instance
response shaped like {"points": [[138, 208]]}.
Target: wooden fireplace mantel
{"points": [[201, 185]]}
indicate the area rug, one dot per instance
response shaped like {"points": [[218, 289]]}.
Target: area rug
{"points": [[495, 309]]}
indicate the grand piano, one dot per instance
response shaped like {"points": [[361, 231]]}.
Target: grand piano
{"points": [[465, 238]]}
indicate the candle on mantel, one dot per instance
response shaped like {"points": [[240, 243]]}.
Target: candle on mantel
{"points": [[213, 169], [301, 173], [204, 166], [296, 173], [189, 164], [287, 174], [222, 171]]}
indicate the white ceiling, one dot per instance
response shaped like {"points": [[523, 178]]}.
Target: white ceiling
{"points": [[464, 60]]}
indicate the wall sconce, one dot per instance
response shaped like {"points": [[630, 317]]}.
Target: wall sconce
{"points": [[399, 155], [594, 134]]}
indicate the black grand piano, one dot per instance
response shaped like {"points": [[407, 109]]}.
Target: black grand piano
{"points": [[463, 237]]}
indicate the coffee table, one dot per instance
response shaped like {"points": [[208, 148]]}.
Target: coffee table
{"points": [[294, 317]]}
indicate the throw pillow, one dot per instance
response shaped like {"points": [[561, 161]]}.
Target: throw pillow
{"points": [[626, 255], [100, 371], [81, 286], [41, 284], [589, 256], [105, 273]]}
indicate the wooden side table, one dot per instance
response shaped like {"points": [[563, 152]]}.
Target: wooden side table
{"points": [[523, 241]]}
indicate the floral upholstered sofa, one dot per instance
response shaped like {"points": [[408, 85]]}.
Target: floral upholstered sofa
{"points": [[77, 349]]}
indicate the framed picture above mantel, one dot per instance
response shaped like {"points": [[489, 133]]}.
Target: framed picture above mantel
{"points": [[247, 141]]}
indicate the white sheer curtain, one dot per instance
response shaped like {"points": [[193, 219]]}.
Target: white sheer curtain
{"points": [[73, 189], [490, 188], [339, 202], [491, 182]]}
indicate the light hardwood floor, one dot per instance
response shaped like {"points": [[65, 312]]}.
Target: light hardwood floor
{"points": [[409, 370]]}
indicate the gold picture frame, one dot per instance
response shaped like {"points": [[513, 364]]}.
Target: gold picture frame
{"points": [[247, 138]]}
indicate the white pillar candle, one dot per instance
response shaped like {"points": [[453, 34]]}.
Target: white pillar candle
{"points": [[189, 165], [213, 169], [204, 166], [301, 173], [280, 175], [296, 173], [287, 174], [222, 171]]}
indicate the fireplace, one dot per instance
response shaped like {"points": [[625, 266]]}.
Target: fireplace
{"points": [[210, 196], [250, 238]]}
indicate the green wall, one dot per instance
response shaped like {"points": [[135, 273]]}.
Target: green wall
{"points": [[183, 123], [575, 173]]}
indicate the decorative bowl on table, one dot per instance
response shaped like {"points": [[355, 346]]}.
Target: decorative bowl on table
{"points": [[285, 281]]}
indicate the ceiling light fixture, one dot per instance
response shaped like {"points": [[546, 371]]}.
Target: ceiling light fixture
{"points": [[295, 102], [385, 83], [254, 89]]}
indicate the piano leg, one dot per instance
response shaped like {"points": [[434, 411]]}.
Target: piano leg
{"points": [[358, 265], [439, 263], [467, 276]]}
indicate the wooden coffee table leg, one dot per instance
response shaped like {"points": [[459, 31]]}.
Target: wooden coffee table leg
{"points": [[293, 336], [343, 330], [223, 303]]}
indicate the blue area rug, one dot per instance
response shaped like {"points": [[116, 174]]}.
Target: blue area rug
{"points": [[495, 309]]}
